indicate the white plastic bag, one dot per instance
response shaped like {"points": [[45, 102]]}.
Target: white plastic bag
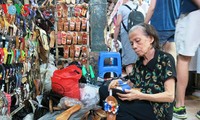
{"points": [[89, 94]]}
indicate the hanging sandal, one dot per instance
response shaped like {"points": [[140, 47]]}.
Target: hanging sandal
{"points": [[64, 37], [85, 38], [77, 51], [84, 10], [66, 51], [84, 52], [67, 1], [73, 2], [72, 24], [59, 10], [80, 38], [65, 10], [84, 24], [72, 51], [59, 37], [78, 24], [66, 25], [60, 24], [52, 39], [69, 38], [75, 38]]}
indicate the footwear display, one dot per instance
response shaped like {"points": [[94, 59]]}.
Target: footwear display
{"points": [[180, 112]]}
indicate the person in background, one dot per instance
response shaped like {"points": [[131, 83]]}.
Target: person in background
{"points": [[187, 40], [162, 15], [128, 54], [154, 74], [144, 5]]}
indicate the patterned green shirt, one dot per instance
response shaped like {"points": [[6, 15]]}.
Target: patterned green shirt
{"points": [[151, 78]]}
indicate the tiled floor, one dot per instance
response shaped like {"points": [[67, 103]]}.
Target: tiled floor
{"points": [[192, 105]]}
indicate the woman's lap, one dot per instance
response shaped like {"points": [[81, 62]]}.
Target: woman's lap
{"points": [[130, 109]]}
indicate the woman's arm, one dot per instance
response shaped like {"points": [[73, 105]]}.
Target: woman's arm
{"points": [[117, 26], [167, 96], [150, 11]]}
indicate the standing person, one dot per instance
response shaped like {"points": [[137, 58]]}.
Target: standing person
{"points": [[128, 55], [162, 15], [187, 40]]}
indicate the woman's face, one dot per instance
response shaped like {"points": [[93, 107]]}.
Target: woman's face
{"points": [[197, 3], [140, 42]]}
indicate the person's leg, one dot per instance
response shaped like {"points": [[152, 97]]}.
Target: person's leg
{"points": [[182, 79], [103, 94], [170, 48]]}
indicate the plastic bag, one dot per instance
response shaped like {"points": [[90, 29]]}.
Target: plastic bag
{"points": [[65, 81], [66, 102], [89, 94], [49, 73]]}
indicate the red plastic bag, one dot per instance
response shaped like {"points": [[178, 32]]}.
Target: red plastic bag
{"points": [[65, 81]]}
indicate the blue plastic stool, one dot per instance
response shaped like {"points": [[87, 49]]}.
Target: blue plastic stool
{"points": [[115, 67]]}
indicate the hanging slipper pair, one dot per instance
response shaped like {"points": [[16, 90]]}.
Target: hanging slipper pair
{"points": [[72, 24], [84, 24], [85, 38], [66, 25], [43, 38], [78, 24]]}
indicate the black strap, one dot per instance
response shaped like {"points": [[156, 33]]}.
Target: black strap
{"points": [[122, 20]]}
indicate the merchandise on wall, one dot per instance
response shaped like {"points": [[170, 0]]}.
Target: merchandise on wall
{"points": [[72, 33]]}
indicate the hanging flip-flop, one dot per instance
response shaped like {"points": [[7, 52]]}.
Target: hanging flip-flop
{"points": [[111, 107], [80, 38], [85, 38], [66, 25], [69, 38], [77, 51], [64, 37], [84, 10], [65, 10], [77, 10], [84, 24], [44, 39], [72, 24], [59, 10], [67, 1], [5, 55], [52, 39], [84, 52], [78, 24], [60, 24], [1, 56], [66, 51], [73, 2], [83, 61], [2, 24], [72, 51], [59, 37], [75, 42], [7, 25]]}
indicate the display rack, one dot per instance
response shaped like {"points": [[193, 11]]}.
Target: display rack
{"points": [[72, 32]]}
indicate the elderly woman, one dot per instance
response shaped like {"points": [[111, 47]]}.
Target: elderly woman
{"points": [[154, 73]]}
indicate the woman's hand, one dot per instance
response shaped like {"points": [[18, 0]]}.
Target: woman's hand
{"points": [[113, 84], [132, 94]]}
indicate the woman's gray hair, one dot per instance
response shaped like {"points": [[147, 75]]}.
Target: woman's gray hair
{"points": [[148, 30]]}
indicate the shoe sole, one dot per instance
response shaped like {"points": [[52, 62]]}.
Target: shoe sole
{"points": [[198, 116], [179, 116]]}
